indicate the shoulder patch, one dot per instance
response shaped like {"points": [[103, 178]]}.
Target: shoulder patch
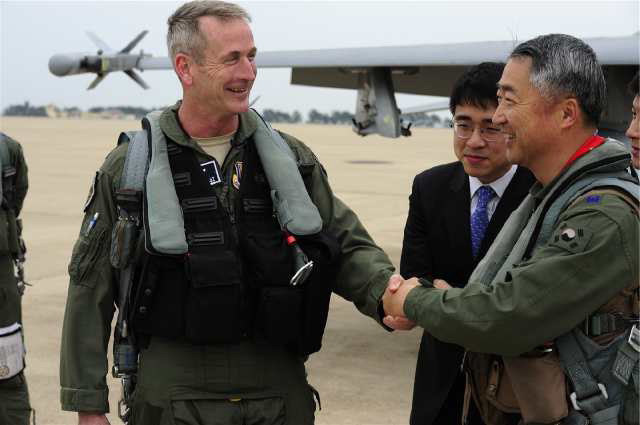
{"points": [[571, 239], [593, 199]]}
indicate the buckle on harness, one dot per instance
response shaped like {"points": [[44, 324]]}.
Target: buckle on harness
{"points": [[302, 274], [574, 397], [634, 338], [130, 200]]}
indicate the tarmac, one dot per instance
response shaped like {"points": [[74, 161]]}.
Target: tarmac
{"points": [[364, 374]]}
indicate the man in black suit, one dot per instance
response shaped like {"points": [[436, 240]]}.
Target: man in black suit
{"points": [[455, 212]]}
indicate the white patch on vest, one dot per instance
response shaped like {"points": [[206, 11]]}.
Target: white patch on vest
{"points": [[212, 171], [11, 351]]}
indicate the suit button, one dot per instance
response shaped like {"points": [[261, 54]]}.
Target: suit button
{"points": [[147, 292], [143, 309]]}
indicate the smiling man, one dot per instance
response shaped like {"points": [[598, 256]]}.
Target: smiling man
{"points": [[221, 261], [555, 299], [455, 212]]}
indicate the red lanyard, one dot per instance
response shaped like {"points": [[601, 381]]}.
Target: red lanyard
{"points": [[591, 143]]}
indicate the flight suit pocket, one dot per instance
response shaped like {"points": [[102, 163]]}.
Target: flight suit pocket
{"points": [[232, 411], [86, 252]]}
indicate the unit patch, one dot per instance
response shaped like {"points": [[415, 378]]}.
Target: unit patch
{"points": [[237, 175], [593, 199]]}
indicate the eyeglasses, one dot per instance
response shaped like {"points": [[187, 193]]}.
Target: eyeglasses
{"points": [[464, 130]]}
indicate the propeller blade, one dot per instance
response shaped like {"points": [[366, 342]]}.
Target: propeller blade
{"points": [[99, 43], [97, 81], [135, 77], [133, 42]]}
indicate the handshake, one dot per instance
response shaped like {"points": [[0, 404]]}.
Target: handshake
{"points": [[394, 297]]}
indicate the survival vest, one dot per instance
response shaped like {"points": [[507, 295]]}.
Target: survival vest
{"points": [[208, 277], [602, 378]]}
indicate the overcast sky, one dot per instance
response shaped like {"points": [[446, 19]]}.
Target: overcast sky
{"points": [[32, 31]]}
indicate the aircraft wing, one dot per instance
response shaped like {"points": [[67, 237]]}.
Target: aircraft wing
{"points": [[429, 69], [377, 73]]}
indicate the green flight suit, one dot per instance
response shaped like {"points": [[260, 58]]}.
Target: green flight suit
{"points": [[548, 294], [14, 396], [252, 381], [585, 263]]}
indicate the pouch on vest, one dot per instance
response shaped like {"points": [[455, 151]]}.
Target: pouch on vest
{"points": [[279, 316], [490, 388], [167, 321], [539, 386], [11, 351], [214, 309], [324, 250]]}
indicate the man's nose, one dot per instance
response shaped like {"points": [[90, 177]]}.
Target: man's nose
{"points": [[633, 132], [476, 140], [248, 69]]}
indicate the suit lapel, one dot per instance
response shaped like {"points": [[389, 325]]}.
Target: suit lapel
{"points": [[514, 194], [457, 219]]}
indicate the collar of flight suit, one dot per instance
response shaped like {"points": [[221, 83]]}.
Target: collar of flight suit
{"points": [[170, 125], [609, 149]]}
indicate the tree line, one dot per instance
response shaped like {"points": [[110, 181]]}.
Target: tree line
{"points": [[270, 115]]}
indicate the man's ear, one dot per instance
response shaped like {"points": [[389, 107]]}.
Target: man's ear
{"points": [[184, 68], [570, 113]]}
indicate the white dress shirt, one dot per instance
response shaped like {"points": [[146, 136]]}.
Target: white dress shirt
{"points": [[498, 186]]}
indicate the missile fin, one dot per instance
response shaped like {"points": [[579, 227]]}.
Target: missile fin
{"points": [[133, 42], [135, 77], [97, 81], [98, 42]]}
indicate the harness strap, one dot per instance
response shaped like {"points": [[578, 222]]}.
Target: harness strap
{"points": [[124, 237], [627, 363], [604, 323], [589, 395]]}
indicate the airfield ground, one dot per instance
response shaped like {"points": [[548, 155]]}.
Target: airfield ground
{"points": [[363, 373]]}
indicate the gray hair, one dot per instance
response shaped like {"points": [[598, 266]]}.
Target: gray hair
{"points": [[184, 34], [563, 65]]}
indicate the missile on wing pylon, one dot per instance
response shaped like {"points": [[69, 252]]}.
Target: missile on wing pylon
{"points": [[102, 63]]}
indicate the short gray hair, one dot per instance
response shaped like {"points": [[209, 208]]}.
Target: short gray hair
{"points": [[562, 65], [184, 34]]}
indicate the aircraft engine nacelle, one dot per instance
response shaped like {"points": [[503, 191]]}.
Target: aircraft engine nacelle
{"points": [[376, 109], [74, 63]]}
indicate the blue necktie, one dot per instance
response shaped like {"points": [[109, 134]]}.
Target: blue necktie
{"points": [[480, 218]]}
